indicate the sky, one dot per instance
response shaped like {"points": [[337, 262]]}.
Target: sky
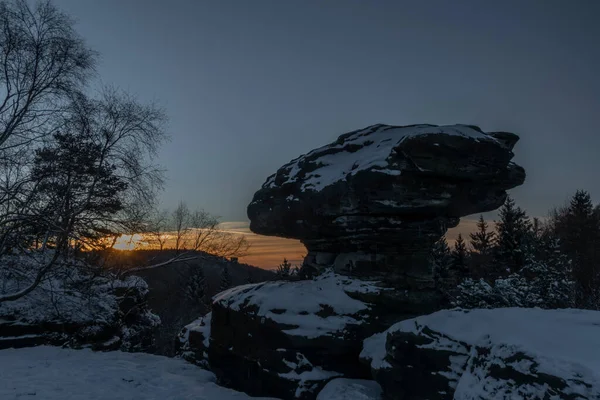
{"points": [[250, 85]]}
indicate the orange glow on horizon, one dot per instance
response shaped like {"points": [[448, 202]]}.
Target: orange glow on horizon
{"points": [[129, 242], [268, 252]]}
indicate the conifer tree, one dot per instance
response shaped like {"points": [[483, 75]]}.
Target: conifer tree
{"points": [[80, 195], [459, 259], [196, 285], [578, 228], [225, 279], [250, 277], [442, 262], [482, 240], [514, 239], [284, 270], [551, 276]]}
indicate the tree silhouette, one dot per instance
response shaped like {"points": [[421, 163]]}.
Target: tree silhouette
{"points": [[514, 239], [459, 258], [482, 240], [284, 270], [225, 279], [578, 229], [79, 195]]}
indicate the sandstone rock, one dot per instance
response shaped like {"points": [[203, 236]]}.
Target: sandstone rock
{"points": [[193, 341], [288, 339], [376, 200], [504, 353]]}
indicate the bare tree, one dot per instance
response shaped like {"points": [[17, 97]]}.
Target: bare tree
{"points": [[199, 231], [44, 63], [157, 226], [181, 219], [194, 233]]}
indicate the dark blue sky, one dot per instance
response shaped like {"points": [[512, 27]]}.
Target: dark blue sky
{"points": [[249, 85]]}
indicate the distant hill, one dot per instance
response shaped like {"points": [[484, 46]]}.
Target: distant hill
{"points": [[168, 283]]}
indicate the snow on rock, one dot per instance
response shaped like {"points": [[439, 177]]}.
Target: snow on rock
{"points": [[309, 379], [373, 351], [367, 148], [539, 332], [53, 373], [346, 389], [194, 341], [289, 338], [74, 305], [504, 353], [303, 305]]}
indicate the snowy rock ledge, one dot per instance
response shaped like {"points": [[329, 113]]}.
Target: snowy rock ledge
{"points": [[288, 339], [505, 353]]}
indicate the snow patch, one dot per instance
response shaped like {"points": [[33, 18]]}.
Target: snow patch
{"points": [[374, 351], [53, 373], [299, 303], [355, 389], [201, 325]]}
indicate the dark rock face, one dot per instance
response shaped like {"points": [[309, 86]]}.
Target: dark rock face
{"points": [[376, 200], [489, 354]]}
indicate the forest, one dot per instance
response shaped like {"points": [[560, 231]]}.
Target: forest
{"points": [[526, 262]]}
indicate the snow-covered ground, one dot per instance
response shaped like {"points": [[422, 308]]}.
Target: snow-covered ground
{"points": [[53, 373]]}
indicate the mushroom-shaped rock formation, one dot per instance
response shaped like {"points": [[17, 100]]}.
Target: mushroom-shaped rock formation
{"points": [[374, 201], [371, 205]]}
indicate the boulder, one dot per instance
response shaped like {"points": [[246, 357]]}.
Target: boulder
{"points": [[288, 339], [193, 341], [374, 201], [505, 353]]}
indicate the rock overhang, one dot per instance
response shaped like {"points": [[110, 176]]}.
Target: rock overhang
{"points": [[387, 178]]}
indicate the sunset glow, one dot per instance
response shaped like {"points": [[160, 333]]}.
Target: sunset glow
{"points": [[267, 251], [129, 242]]}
